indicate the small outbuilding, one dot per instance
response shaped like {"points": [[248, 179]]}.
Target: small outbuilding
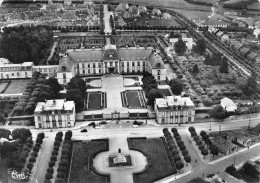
{"points": [[224, 146], [228, 104]]}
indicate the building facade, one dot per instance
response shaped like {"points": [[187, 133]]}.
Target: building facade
{"points": [[174, 110], [107, 60], [13, 71], [57, 113]]}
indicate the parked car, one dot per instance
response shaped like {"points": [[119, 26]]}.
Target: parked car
{"points": [[84, 130]]}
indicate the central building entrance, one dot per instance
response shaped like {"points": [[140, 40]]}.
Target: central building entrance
{"points": [[111, 70]]}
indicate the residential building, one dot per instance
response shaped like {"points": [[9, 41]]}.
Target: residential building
{"points": [[174, 109], [57, 113], [224, 146], [228, 104], [242, 140], [214, 23], [13, 71], [188, 40], [49, 70], [110, 59]]}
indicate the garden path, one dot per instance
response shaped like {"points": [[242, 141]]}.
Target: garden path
{"points": [[107, 14], [122, 174]]}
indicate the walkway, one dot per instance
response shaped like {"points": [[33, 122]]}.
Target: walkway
{"points": [[107, 14], [122, 174], [52, 52], [43, 164]]}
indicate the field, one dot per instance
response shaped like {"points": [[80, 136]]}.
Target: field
{"points": [[170, 4], [81, 165], [17, 86], [95, 100], [155, 22], [158, 163], [255, 6], [133, 99], [199, 14]]}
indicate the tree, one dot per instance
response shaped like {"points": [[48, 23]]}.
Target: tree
{"points": [[29, 165], [185, 152], [177, 157], [204, 152], [76, 96], [152, 95], [224, 66], [203, 133], [250, 169], [48, 175], [218, 112], [55, 86], [200, 47], [41, 135], [21, 133], [195, 69], [174, 130], [179, 165], [197, 180], [231, 170], [77, 83], [187, 158], [176, 86], [191, 128], [180, 47], [4, 133], [214, 151]]}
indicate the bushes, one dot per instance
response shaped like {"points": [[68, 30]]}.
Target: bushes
{"points": [[51, 164], [48, 176], [36, 149], [50, 170], [32, 159], [29, 166]]}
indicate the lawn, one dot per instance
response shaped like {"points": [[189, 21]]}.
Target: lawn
{"points": [[133, 99], [3, 86], [166, 92], [81, 168], [95, 100], [17, 86], [154, 22], [159, 165]]}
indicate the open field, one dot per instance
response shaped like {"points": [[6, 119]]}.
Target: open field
{"points": [[180, 4], [255, 6], [158, 163], [154, 22], [199, 14], [80, 167], [17, 86]]}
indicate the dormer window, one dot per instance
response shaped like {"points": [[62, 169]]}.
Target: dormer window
{"points": [[63, 68], [111, 56], [158, 64]]}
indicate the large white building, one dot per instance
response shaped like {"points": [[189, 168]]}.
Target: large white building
{"points": [[57, 113], [13, 71], [174, 109], [110, 59]]}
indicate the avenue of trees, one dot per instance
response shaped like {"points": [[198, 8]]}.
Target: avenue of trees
{"points": [[26, 44], [37, 90], [76, 90]]}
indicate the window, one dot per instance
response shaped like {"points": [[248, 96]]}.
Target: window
{"points": [[127, 63], [39, 118], [18, 73], [116, 64], [138, 63], [64, 76], [158, 64], [158, 72], [83, 71], [189, 112], [99, 65], [158, 78], [26, 73], [68, 117], [122, 64], [133, 64], [88, 65], [83, 65], [77, 65], [12, 74], [45, 70], [111, 64], [63, 68], [68, 124], [40, 125], [94, 65], [60, 124]]}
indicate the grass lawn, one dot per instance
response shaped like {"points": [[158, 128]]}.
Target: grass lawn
{"points": [[133, 99], [155, 22], [166, 92], [17, 86], [80, 167], [94, 100], [2, 86], [160, 165]]}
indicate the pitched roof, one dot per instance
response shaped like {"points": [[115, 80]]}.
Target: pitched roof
{"points": [[126, 54], [223, 144], [66, 62], [155, 61], [110, 53], [80, 55], [57, 104], [228, 104]]}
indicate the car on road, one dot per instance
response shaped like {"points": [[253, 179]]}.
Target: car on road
{"points": [[84, 130]]}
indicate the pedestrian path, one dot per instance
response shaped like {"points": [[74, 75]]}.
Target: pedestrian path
{"points": [[107, 14]]}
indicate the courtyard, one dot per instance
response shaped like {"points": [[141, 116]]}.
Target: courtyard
{"points": [[15, 86], [115, 96]]}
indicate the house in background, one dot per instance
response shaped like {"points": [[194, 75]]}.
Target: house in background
{"points": [[224, 146], [228, 104], [57, 113], [188, 41]]}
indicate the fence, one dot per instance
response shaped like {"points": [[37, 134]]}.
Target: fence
{"points": [[116, 116]]}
